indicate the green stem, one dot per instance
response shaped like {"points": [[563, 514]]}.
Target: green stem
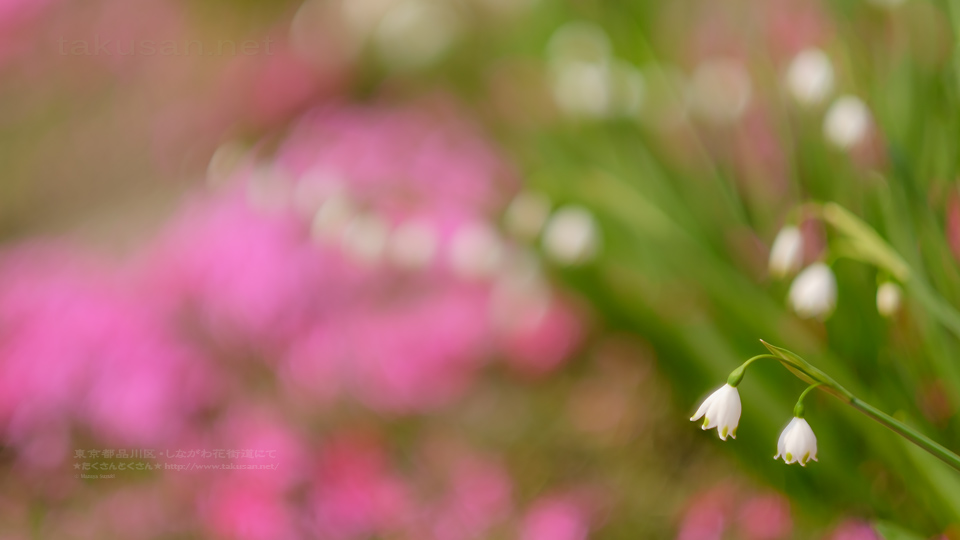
{"points": [[805, 371], [798, 408], [908, 433], [737, 375]]}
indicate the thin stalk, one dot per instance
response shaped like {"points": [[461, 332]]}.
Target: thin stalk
{"points": [[818, 379], [908, 433], [798, 408], [737, 375]]}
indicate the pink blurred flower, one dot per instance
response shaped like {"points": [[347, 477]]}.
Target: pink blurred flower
{"points": [[238, 509], [249, 277], [708, 514], [268, 87], [261, 428], [81, 346], [427, 156], [355, 495], [421, 354], [555, 517], [538, 344], [765, 517]]}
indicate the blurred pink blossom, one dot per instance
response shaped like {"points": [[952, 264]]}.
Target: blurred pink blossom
{"points": [[708, 514], [540, 344], [355, 495], [428, 157], [555, 517], [765, 517], [853, 530], [248, 276], [79, 345], [238, 509]]}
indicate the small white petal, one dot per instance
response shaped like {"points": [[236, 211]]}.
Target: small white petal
{"points": [[888, 299], [810, 76], [786, 255], [797, 443], [847, 122], [813, 294], [571, 236], [721, 410]]}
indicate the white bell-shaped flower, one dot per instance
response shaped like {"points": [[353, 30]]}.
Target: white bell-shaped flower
{"points": [[810, 76], [847, 122], [888, 299], [721, 410], [797, 443], [813, 294], [786, 255]]}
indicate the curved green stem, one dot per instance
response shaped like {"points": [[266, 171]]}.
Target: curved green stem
{"points": [[798, 408], [817, 378], [737, 375]]}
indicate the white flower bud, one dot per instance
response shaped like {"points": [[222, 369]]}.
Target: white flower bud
{"points": [[813, 294], [786, 255], [810, 76], [797, 443], [571, 236], [721, 410], [888, 298], [847, 122], [416, 33]]}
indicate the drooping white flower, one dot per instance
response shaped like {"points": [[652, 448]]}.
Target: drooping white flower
{"points": [[571, 236], [847, 122], [721, 410], [416, 33], [582, 89], [579, 54], [786, 255], [810, 76], [797, 443], [888, 298], [813, 294]]}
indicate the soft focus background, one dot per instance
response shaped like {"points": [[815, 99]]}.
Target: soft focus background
{"points": [[462, 269]]}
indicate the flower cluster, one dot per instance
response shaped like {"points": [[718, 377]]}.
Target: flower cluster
{"points": [[360, 267], [721, 410], [813, 292]]}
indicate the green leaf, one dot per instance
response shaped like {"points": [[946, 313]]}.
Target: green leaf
{"points": [[807, 372], [864, 243], [889, 531]]}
